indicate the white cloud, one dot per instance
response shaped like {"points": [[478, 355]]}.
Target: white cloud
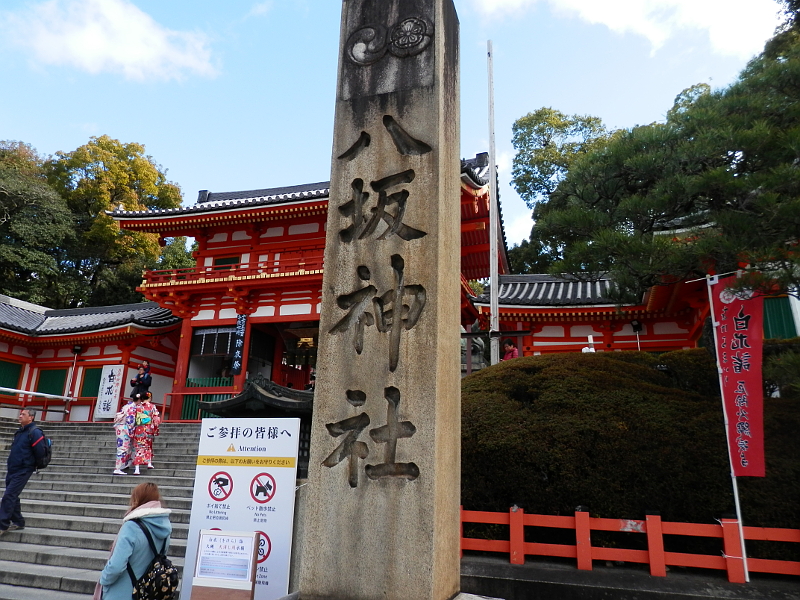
{"points": [[260, 8], [734, 27], [106, 36]]}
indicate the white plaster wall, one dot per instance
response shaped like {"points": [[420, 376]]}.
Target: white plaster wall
{"points": [[161, 385], [20, 351], [220, 237], [91, 351], [48, 353], [111, 350], [154, 355], [304, 228], [583, 331], [239, 235], [204, 315], [551, 331], [65, 353], [666, 328], [227, 313], [3, 347], [295, 309], [273, 232], [264, 311]]}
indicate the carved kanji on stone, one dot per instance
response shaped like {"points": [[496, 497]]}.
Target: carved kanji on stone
{"points": [[388, 434]]}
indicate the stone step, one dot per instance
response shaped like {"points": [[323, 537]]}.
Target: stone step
{"points": [[77, 539], [13, 592], [160, 477], [75, 558], [100, 511], [88, 524], [87, 498], [125, 485], [74, 508]]}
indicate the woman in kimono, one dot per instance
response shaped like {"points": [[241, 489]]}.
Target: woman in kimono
{"points": [[123, 427], [146, 422]]}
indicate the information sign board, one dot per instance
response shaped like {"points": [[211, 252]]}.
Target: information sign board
{"points": [[108, 394], [245, 482]]}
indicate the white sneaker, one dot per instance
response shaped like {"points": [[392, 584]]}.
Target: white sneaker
{"points": [[136, 472], [118, 472], [150, 466]]}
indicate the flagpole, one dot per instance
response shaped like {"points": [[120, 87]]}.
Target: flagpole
{"points": [[494, 277], [738, 507]]}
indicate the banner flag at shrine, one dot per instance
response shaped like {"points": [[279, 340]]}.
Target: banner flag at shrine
{"points": [[739, 339]]}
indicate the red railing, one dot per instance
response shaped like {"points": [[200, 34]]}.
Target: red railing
{"points": [[292, 265], [652, 527]]}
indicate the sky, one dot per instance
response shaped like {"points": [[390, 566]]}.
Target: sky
{"points": [[239, 95]]}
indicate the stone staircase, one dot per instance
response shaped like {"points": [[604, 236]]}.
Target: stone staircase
{"points": [[73, 508]]}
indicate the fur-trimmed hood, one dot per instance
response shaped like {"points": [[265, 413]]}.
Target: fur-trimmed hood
{"points": [[144, 511], [154, 516]]}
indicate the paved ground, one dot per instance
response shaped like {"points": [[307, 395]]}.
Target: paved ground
{"points": [[538, 580]]}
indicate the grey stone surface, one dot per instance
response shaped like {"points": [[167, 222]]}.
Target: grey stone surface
{"points": [[73, 509], [382, 506]]}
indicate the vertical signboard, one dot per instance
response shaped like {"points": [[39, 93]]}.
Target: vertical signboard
{"points": [[245, 481], [111, 385], [738, 323], [238, 344]]}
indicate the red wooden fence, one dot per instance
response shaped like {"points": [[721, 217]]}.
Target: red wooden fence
{"points": [[653, 527]]}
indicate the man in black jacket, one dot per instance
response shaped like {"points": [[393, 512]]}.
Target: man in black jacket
{"points": [[27, 447]]}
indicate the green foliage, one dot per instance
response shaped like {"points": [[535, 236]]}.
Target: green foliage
{"points": [[101, 264], [547, 143], [612, 432], [715, 187], [175, 255], [781, 367], [33, 220]]}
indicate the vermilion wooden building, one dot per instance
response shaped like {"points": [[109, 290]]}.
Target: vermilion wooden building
{"points": [[260, 255]]}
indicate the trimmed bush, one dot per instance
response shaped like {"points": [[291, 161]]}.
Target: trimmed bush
{"points": [[611, 432]]}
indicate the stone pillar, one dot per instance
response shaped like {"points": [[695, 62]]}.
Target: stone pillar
{"points": [[382, 512]]}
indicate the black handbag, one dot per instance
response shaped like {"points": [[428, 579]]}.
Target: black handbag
{"points": [[160, 580]]}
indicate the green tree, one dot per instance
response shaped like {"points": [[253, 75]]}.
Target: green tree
{"points": [[547, 143], [102, 264], [175, 254], [715, 187], [34, 219]]}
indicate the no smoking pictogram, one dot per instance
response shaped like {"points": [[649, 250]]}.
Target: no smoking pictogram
{"points": [[220, 486], [262, 488], [264, 547]]}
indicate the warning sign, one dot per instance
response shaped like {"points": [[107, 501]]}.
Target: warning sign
{"points": [[262, 488], [220, 486], [264, 547], [248, 469]]}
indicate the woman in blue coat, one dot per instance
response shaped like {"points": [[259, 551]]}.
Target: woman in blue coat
{"points": [[131, 545]]}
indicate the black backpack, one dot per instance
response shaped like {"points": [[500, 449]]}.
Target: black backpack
{"points": [[160, 580], [41, 463]]}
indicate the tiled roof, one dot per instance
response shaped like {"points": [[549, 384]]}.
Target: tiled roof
{"points": [[473, 171], [45, 321], [548, 290], [211, 201]]}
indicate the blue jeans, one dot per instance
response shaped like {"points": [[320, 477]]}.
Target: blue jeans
{"points": [[10, 511]]}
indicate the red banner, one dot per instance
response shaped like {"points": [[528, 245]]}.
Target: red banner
{"points": [[738, 330]]}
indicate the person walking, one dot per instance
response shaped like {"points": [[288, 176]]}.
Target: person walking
{"points": [[26, 447], [123, 427], [131, 546], [145, 428], [510, 350], [141, 383]]}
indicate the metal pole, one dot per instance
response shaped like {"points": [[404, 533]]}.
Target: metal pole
{"points": [[714, 325], [494, 222], [43, 395]]}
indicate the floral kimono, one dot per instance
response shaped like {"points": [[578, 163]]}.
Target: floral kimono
{"points": [[146, 423], [123, 427]]}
